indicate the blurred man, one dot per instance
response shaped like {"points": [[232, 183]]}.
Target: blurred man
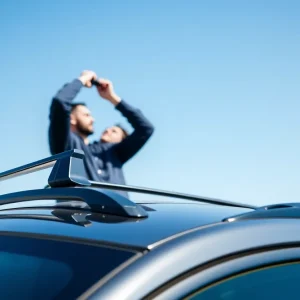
{"points": [[71, 125]]}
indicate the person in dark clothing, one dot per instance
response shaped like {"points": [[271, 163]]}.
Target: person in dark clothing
{"points": [[71, 125]]}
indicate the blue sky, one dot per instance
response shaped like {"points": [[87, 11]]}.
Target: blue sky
{"points": [[218, 79]]}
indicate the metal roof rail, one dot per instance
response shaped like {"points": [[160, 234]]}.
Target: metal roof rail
{"points": [[74, 217], [62, 216], [151, 191], [68, 169], [102, 201]]}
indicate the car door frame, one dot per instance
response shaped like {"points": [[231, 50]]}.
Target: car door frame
{"points": [[201, 278], [200, 247]]}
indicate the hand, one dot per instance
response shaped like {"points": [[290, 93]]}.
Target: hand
{"points": [[86, 77], [106, 91]]}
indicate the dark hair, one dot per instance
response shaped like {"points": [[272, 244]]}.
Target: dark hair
{"points": [[123, 130], [74, 105]]}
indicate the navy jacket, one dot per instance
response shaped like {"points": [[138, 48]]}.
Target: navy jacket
{"points": [[103, 161]]}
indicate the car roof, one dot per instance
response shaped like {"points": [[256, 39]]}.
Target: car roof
{"points": [[94, 211], [163, 222]]}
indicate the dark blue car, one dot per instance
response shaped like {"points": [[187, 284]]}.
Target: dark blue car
{"points": [[78, 239]]}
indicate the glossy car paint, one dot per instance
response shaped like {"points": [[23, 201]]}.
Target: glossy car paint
{"points": [[163, 221], [235, 265], [197, 248]]}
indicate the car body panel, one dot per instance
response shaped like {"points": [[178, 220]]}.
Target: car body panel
{"points": [[196, 248], [227, 268], [167, 239]]}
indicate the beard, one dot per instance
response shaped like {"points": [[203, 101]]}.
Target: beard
{"points": [[84, 130]]}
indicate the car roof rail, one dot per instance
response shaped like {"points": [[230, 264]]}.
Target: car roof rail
{"points": [[68, 171], [72, 216], [284, 210], [163, 193], [101, 201], [63, 216]]}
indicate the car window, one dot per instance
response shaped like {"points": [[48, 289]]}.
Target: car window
{"points": [[275, 282], [49, 269]]}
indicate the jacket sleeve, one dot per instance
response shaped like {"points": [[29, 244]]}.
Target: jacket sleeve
{"points": [[143, 130], [60, 135]]}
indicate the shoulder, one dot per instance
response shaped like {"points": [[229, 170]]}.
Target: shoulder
{"points": [[74, 136]]}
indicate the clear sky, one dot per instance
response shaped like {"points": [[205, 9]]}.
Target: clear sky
{"points": [[218, 79]]}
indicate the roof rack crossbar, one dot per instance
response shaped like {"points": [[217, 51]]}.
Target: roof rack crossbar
{"points": [[169, 194], [68, 169], [98, 200]]}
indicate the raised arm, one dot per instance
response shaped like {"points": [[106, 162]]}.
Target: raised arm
{"points": [[143, 129], [60, 136]]}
